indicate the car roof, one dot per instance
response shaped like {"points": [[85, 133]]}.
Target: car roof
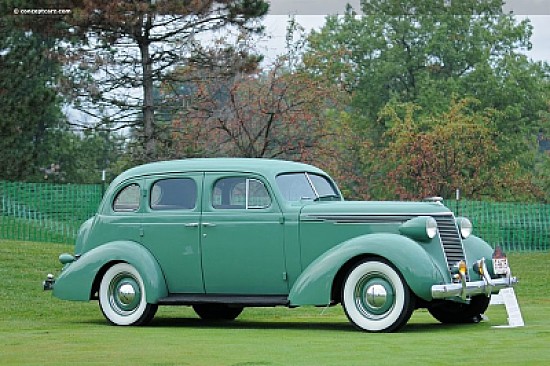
{"points": [[265, 167]]}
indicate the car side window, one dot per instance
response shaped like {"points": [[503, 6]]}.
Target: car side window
{"points": [[322, 185], [240, 193], [295, 187], [306, 186], [173, 194], [127, 200]]}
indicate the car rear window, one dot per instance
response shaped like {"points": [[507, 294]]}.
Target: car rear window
{"points": [[127, 200]]}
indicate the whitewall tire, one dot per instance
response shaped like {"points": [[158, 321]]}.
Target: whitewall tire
{"points": [[376, 298], [122, 296]]}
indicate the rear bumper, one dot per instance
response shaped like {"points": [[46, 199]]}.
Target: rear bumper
{"points": [[467, 289]]}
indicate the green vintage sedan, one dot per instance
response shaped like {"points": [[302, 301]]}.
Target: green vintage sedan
{"points": [[224, 234]]}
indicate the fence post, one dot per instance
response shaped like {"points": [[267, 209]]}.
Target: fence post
{"points": [[457, 202], [103, 176]]}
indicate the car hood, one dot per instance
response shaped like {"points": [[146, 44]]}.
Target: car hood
{"points": [[327, 210]]}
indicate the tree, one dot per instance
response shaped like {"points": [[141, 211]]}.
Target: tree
{"points": [[36, 143], [433, 156], [424, 53], [542, 157], [132, 45], [431, 54], [276, 114], [30, 107], [344, 155]]}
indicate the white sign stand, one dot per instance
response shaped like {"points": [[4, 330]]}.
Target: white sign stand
{"points": [[507, 297]]}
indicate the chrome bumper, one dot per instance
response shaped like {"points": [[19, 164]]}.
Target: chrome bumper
{"points": [[466, 289]]}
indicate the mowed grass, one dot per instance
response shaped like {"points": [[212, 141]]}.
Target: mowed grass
{"points": [[37, 329]]}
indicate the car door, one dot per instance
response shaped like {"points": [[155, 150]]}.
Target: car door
{"points": [[242, 237], [171, 229]]}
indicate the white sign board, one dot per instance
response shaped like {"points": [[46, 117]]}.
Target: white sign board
{"points": [[507, 297]]}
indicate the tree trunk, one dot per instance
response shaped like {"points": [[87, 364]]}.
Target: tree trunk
{"points": [[148, 102]]}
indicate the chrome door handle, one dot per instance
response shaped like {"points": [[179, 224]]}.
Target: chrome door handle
{"points": [[192, 224], [208, 224]]}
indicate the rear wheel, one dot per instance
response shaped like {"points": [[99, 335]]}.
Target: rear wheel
{"points": [[450, 312], [122, 296], [217, 311], [376, 298]]}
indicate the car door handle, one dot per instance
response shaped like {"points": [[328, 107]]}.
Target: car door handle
{"points": [[192, 224], [208, 224]]}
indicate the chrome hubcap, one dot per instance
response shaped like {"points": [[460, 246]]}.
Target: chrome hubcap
{"points": [[126, 294], [376, 296]]}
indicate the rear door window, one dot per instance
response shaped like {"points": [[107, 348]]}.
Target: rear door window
{"points": [[240, 193], [174, 194]]}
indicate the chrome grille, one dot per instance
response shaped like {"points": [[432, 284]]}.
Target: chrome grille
{"points": [[450, 239]]}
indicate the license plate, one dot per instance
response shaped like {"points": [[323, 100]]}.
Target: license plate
{"points": [[500, 266]]}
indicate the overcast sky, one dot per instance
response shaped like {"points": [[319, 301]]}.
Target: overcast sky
{"points": [[311, 14]]}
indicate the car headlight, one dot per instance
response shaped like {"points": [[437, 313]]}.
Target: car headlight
{"points": [[464, 226], [431, 227], [423, 228]]}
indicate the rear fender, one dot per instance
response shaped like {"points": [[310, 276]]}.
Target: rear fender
{"points": [[314, 286], [77, 278]]}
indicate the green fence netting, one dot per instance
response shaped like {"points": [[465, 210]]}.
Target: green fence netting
{"points": [[49, 212], [513, 226], [44, 211]]}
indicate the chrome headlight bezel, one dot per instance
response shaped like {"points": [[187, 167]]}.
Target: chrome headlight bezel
{"points": [[431, 227], [465, 227]]}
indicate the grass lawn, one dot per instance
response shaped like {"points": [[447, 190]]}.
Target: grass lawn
{"points": [[36, 328]]}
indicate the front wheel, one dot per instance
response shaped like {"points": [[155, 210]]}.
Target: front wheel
{"points": [[122, 297], [375, 297], [450, 312]]}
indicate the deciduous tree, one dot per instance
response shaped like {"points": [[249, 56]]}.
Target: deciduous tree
{"points": [[431, 54], [121, 50], [275, 114], [433, 156]]}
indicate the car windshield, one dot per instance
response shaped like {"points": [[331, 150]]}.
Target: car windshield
{"points": [[306, 186]]}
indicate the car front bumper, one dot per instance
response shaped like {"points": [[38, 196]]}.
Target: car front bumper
{"points": [[467, 289]]}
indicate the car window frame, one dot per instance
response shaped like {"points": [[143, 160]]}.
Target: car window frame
{"points": [[314, 189], [152, 184], [119, 192], [246, 207]]}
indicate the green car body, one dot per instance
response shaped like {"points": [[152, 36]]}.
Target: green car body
{"points": [[223, 234]]}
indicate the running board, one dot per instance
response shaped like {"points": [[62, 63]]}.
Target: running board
{"points": [[241, 300]]}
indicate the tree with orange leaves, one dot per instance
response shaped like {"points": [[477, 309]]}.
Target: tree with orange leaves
{"points": [[434, 155]]}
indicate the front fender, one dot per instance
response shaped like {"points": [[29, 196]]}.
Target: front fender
{"points": [[475, 248], [76, 280], [314, 286]]}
